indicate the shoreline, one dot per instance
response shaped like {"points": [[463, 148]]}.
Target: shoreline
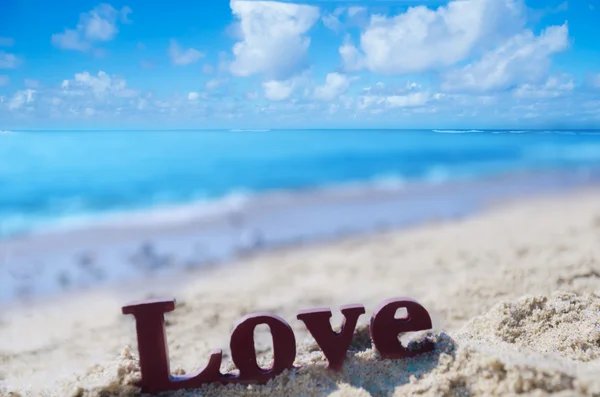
{"points": [[235, 201], [497, 285], [37, 266]]}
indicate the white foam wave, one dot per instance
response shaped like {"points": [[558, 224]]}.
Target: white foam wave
{"points": [[246, 130], [456, 131], [509, 132], [558, 132], [144, 217], [202, 209], [176, 214]]}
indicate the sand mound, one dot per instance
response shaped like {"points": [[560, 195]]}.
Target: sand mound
{"points": [[534, 346], [565, 323], [472, 372]]}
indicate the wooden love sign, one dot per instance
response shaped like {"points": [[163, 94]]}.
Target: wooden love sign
{"points": [[384, 329]]}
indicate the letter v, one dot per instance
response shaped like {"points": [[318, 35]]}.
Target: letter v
{"points": [[334, 345]]}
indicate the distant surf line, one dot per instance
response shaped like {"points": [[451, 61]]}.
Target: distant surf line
{"points": [[456, 131]]}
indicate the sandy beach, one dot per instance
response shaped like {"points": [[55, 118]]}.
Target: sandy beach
{"points": [[514, 294]]}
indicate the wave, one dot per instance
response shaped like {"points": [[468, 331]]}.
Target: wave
{"points": [[73, 214], [509, 132], [557, 132], [246, 130], [263, 223], [456, 131], [17, 224]]}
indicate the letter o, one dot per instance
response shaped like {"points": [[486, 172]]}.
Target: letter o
{"points": [[243, 352]]}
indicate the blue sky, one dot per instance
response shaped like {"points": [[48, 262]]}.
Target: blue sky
{"points": [[315, 64]]}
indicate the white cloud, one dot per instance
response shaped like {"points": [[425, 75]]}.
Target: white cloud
{"points": [[524, 58], [332, 20], [274, 42], [378, 87], [214, 83], [6, 41], [8, 61], [554, 87], [423, 39], [141, 104], [4, 80], [354, 11], [345, 17], [183, 57], [335, 85], [100, 28], [207, 69], [21, 98], [352, 59], [394, 101], [193, 96], [410, 100], [279, 90], [100, 86], [97, 25], [381, 88], [70, 40]]}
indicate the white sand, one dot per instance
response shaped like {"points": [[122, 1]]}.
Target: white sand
{"points": [[514, 294]]}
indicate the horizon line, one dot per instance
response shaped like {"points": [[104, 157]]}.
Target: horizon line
{"points": [[294, 129]]}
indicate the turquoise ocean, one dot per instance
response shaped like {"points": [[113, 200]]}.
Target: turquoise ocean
{"points": [[50, 179]]}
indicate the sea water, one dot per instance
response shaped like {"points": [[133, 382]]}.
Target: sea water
{"points": [[80, 209], [53, 179]]}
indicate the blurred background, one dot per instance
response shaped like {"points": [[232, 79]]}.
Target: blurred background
{"points": [[85, 208]]}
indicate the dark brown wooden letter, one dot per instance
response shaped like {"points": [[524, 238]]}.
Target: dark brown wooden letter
{"points": [[243, 351], [385, 328], [154, 353], [334, 345]]}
